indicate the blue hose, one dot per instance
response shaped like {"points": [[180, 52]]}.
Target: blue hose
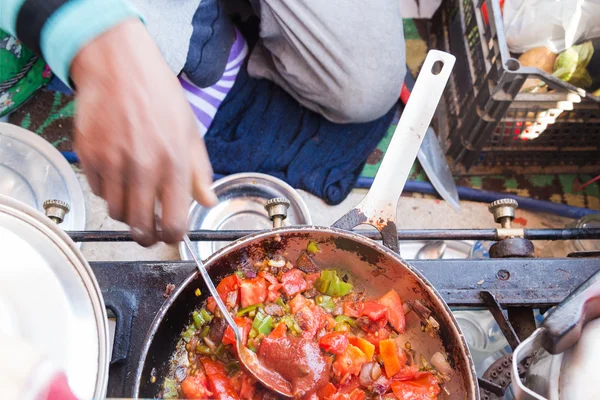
{"points": [[465, 193]]}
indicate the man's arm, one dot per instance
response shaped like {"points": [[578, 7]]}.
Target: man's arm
{"points": [[135, 133]]}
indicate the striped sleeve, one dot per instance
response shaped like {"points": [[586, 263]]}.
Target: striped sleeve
{"points": [[65, 30]]}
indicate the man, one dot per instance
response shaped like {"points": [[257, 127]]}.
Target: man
{"points": [[135, 133]]}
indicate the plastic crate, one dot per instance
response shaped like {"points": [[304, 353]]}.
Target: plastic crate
{"points": [[484, 122]]}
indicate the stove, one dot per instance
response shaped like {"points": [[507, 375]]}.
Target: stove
{"points": [[510, 286]]}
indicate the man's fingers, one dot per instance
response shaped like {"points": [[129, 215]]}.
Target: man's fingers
{"points": [[141, 199], [113, 192], [202, 175], [175, 202]]}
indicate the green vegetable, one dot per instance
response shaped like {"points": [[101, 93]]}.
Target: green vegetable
{"points": [[170, 389], [206, 315], [248, 309], [221, 352], [232, 367], [313, 248], [343, 319], [253, 333], [329, 283], [240, 274], [263, 323], [325, 301], [571, 65], [205, 332], [203, 349], [187, 335], [342, 327], [197, 292], [198, 320], [291, 324], [280, 303]]}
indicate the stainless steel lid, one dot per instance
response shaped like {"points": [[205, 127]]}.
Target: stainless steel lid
{"points": [[50, 298], [33, 171], [242, 199]]}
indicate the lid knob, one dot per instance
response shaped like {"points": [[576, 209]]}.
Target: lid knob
{"points": [[504, 211], [277, 209], [56, 210]]}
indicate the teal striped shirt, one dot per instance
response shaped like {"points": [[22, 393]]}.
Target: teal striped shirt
{"points": [[69, 28]]}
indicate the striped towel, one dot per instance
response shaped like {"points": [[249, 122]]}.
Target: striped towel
{"points": [[206, 101]]}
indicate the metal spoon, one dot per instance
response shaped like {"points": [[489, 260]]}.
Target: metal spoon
{"points": [[432, 250], [269, 379]]}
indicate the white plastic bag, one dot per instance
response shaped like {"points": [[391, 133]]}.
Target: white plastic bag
{"points": [[555, 24]]}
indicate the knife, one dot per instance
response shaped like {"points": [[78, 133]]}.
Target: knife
{"points": [[432, 157]]}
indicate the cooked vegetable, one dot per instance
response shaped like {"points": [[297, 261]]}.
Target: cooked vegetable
{"points": [[329, 283], [313, 247], [197, 292], [312, 327]]}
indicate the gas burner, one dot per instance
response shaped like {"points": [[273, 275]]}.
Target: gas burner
{"points": [[500, 375]]}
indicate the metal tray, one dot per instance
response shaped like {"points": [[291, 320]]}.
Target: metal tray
{"points": [[242, 198], [33, 171]]}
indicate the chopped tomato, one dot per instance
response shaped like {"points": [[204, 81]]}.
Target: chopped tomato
{"points": [[364, 345], [389, 354], [373, 310], [228, 285], [381, 334], [352, 309], [320, 316], [307, 322], [311, 279], [218, 383], [268, 277], [349, 362], [211, 304], [253, 291], [279, 331], [273, 292], [357, 394], [293, 282], [248, 389], [326, 391], [195, 386], [334, 342], [244, 324], [407, 373], [425, 387], [350, 385], [395, 313], [298, 303], [331, 323], [236, 380]]}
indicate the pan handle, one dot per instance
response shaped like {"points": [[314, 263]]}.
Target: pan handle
{"points": [[379, 206], [562, 328]]}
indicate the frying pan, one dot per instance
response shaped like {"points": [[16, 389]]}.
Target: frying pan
{"points": [[374, 268]]}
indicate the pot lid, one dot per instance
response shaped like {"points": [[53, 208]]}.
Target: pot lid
{"points": [[33, 171], [49, 297]]}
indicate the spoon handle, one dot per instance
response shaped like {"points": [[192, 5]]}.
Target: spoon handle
{"points": [[211, 288]]}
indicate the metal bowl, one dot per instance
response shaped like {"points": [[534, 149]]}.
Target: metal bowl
{"points": [[242, 199]]}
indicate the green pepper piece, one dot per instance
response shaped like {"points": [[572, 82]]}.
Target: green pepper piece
{"points": [[203, 349], [198, 320], [344, 319], [232, 367], [221, 352], [342, 327], [206, 315], [313, 247], [205, 331], [281, 303], [291, 324], [263, 323], [248, 309], [325, 301], [187, 335], [240, 274], [170, 389], [329, 283]]}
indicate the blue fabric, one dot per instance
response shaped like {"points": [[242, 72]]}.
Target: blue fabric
{"points": [[260, 128], [210, 44]]}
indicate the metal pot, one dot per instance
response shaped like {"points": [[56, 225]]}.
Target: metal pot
{"points": [[374, 267], [50, 299], [564, 351]]}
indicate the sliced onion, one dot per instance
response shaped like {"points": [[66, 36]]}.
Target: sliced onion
{"points": [[365, 374], [381, 385], [211, 345], [277, 263], [421, 309], [434, 323], [376, 371], [441, 364], [406, 308]]}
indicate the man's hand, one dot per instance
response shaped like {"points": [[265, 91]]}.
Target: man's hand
{"points": [[136, 134]]}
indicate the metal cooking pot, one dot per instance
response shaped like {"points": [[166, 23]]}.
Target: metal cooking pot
{"points": [[50, 299], [564, 351], [374, 267]]}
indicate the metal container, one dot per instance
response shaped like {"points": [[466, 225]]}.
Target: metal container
{"points": [[33, 171], [50, 298], [564, 351], [242, 199]]}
